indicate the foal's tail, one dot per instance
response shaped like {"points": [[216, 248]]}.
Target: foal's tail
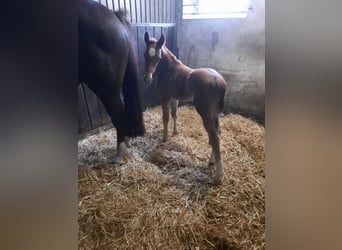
{"points": [[221, 100], [131, 92], [221, 104]]}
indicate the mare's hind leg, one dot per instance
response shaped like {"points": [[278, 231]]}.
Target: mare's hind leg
{"points": [[174, 105], [121, 148], [128, 141], [166, 117], [122, 140], [115, 110]]}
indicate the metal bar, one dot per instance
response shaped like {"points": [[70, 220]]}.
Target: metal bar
{"points": [[193, 4], [153, 24], [177, 19], [130, 11], [172, 11], [158, 12], [141, 12], [166, 20], [149, 2], [125, 5], [155, 11], [145, 11], [214, 13], [113, 5], [136, 12], [175, 12], [107, 4], [162, 10]]}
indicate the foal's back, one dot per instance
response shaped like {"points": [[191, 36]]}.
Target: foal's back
{"points": [[208, 86], [208, 78]]}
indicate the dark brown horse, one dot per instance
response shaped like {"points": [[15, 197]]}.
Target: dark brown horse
{"points": [[107, 64], [176, 81]]}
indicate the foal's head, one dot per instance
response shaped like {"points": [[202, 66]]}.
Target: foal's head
{"points": [[153, 55]]}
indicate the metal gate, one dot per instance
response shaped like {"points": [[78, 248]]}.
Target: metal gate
{"points": [[154, 16]]}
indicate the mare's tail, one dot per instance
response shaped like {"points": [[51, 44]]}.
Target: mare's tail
{"points": [[131, 91]]}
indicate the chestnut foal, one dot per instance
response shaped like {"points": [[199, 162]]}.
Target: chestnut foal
{"points": [[176, 81]]}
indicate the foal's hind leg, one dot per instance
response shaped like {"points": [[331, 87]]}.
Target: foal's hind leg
{"points": [[210, 123], [211, 158], [166, 116], [218, 129], [114, 109], [214, 140], [174, 105]]}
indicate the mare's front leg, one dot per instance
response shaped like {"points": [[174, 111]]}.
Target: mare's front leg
{"points": [[121, 147], [174, 105], [166, 110]]}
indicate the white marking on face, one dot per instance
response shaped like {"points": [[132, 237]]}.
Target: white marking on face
{"points": [[151, 52]]}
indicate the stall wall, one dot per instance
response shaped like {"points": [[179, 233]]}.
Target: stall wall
{"points": [[234, 47]]}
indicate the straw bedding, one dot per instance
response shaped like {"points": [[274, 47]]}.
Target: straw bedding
{"points": [[161, 198]]}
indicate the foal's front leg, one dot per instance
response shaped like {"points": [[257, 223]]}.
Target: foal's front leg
{"points": [[166, 110], [174, 105]]}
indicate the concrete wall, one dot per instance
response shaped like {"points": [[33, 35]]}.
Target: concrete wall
{"points": [[235, 48]]}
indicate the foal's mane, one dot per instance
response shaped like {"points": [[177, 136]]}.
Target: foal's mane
{"points": [[170, 56]]}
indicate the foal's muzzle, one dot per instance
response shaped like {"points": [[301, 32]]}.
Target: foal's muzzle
{"points": [[148, 77]]}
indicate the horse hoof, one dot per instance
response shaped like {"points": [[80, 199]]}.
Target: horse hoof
{"points": [[216, 181], [211, 163], [128, 142], [118, 160]]}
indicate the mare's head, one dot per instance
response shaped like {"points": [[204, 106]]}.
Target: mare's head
{"points": [[153, 55]]}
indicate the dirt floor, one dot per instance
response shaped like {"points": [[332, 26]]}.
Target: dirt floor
{"points": [[161, 198]]}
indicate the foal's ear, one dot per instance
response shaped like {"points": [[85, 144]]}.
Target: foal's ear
{"points": [[146, 37], [161, 41]]}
